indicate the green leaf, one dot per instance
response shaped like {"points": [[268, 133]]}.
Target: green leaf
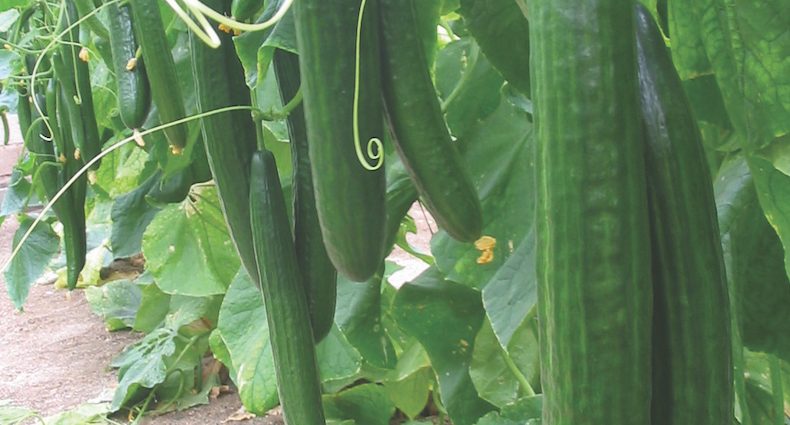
{"points": [[338, 360], [32, 259], [411, 394], [773, 190], [14, 415], [499, 159], [366, 404], [512, 292], [17, 194], [116, 302], [9, 16], [445, 317], [121, 170], [358, 315], [492, 369], [755, 259], [524, 411], [131, 215], [84, 414], [142, 365], [154, 306], [245, 334], [187, 247], [492, 22], [746, 46], [256, 49]]}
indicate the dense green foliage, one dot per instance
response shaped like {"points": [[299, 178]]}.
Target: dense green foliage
{"points": [[519, 120]]}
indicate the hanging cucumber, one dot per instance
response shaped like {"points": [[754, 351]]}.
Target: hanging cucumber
{"points": [[134, 94], [318, 273], [419, 131], [85, 7], [298, 381], [692, 364], [230, 138], [349, 195], [161, 69], [593, 250]]}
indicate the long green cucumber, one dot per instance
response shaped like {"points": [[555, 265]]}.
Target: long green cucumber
{"points": [[692, 365], [349, 197], [593, 251], [76, 81], [298, 381], [161, 69], [73, 214], [134, 94], [419, 132], [85, 7], [318, 273], [230, 138]]}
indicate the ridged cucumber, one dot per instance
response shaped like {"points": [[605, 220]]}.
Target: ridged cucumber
{"points": [[298, 381], [161, 69], [349, 198], [230, 138], [593, 250], [419, 132], [134, 94], [318, 273], [692, 365]]}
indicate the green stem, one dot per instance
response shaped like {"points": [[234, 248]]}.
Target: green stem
{"points": [[526, 388], [777, 391], [286, 110], [523, 6], [474, 53]]}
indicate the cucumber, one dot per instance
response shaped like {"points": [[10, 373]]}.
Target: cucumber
{"points": [[349, 198], [419, 132], [85, 7], [298, 382], [161, 69], [134, 94], [318, 273], [593, 251], [692, 362], [230, 138]]}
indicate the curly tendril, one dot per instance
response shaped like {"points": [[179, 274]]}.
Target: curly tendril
{"points": [[375, 148]]}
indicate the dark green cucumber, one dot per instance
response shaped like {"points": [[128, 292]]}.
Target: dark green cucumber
{"points": [[318, 273], [298, 381], [161, 69], [349, 198], [243, 10], [134, 94], [175, 188], [593, 250], [73, 210], [230, 138], [77, 83], [92, 22], [692, 365], [419, 132]]}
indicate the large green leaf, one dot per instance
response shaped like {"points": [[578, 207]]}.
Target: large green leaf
{"points": [[512, 292], [498, 155], [366, 404], [755, 262], [773, 190], [16, 195], [187, 247], [444, 317], [358, 315], [746, 45], [131, 215], [31, 260], [338, 360], [116, 302], [245, 334], [502, 31]]}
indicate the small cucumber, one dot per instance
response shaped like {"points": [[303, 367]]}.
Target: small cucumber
{"points": [[134, 94], [161, 69]]}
